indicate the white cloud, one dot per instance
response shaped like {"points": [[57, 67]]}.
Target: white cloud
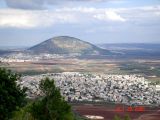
{"points": [[31, 19], [79, 15], [103, 14], [109, 15], [16, 18]]}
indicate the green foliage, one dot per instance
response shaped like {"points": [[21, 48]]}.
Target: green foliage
{"points": [[126, 117], [23, 114], [116, 117], [52, 106], [11, 95]]}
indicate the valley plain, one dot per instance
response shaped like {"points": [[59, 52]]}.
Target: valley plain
{"points": [[147, 67]]}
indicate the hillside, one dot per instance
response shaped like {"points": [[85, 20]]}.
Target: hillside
{"points": [[67, 45]]}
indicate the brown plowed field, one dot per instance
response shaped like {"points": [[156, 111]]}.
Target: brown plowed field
{"points": [[108, 113]]}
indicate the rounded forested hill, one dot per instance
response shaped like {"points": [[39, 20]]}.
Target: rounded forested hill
{"points": [[66, 45]]}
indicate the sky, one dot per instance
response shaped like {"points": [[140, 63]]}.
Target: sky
{"points": [[29, 22]]}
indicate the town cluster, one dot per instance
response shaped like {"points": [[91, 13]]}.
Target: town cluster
{"points": [[22, 57], [92, 87]]}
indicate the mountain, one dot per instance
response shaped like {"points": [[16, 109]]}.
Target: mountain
{"points": [[67, 45]]}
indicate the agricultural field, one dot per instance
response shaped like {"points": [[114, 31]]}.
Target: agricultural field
{"points": [[109, 111], [148, 68]]}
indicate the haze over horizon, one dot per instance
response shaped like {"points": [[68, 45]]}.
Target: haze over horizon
{"points": [[29, 22]]}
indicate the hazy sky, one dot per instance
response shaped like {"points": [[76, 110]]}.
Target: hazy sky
{"points": [[28, 22]]}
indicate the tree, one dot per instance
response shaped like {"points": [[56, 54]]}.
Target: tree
{"points": [[12, 96], [52, 106]]}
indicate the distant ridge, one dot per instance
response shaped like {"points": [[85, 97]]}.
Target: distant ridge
{"points": [[67, 45]]}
